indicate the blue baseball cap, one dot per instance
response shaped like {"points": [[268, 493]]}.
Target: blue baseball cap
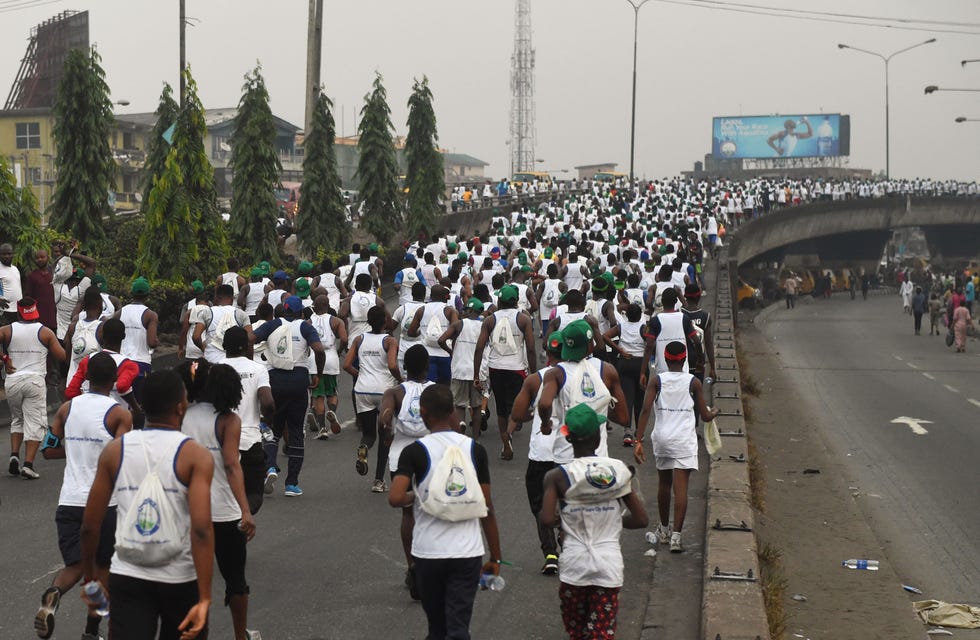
{"points": [[293, 303]]}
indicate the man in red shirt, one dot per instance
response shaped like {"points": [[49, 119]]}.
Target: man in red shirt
{"points": [[113, 331]]}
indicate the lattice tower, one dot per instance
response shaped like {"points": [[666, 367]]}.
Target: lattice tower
{"points": [[522, 91]]}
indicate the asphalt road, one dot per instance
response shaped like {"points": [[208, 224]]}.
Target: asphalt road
{"points": [[329, 565], [859, 366]]}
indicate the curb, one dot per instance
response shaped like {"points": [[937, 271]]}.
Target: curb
{"points": [[731, 609]]}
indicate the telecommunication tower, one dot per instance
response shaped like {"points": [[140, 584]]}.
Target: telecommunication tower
{"points": [[522, 92]]}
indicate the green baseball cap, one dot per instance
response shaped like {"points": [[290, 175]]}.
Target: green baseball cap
{"points": [[197, 286], [555, 343], [303, 288], [463, 255], [100, 281], [257, 272], [79, 273], [305, 268], [452, 246], [577, 336], [373, 247], [608, 277], [265, 267], [508, 293], [600, 285], [581, 422], [474, 303], [140, 286], [548, 252]]}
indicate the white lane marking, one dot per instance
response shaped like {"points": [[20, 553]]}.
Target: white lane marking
{"points": [[899, 358], [912, 365], [951, 388], [348, 423], [915, 424], [929, 375], [974, 402], [56, 569]]}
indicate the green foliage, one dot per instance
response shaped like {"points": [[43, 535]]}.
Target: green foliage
{"points": [[425, 177], [158, 148], [321, 221], [20, 222], [256, 169], [377, 167], [184, 236], [82, 126]]}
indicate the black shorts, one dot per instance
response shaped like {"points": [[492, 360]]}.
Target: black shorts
{"points": [[69, 523], [140, 607], [505, 385], [230, 553]]}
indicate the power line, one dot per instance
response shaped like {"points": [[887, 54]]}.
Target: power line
{"points": [[29, 4], [840, 15], [701, 5]]}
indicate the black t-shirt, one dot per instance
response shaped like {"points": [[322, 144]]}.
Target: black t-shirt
{"points": [[414, 463]]}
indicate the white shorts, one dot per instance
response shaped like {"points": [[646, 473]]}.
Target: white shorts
{"points": [[27, 396], [364, 402], [665, 463]]}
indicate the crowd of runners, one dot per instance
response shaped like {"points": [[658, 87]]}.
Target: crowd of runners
{"points": [[579, 318]]}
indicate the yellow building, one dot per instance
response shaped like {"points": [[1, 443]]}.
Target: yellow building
{"points": [[27, 141]]}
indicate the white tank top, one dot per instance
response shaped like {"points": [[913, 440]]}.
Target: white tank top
{"points": [[231, 279], [437, 310], [671, 330], [161, 447], [68, 297], [212, 342], [194, 312], [329, 282], [514, 362], [108, 309], [522, 302], [275, 297], [86, 435], [201, 423], [254, 297], [568, 317], [674, 436], [26, 350], [583, 384], [134, 344], [373, 374], [407, 425], [540, 447], [329, 340], [83, 342], [631, 337], [464, 349], [407, 314], [118, 358], [360, 303], [550, 294]]}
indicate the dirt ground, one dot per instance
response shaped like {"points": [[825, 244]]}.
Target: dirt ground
{"points": [[811, 519]]}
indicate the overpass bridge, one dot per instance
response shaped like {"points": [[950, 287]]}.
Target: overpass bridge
{"points": [[852, 232]]}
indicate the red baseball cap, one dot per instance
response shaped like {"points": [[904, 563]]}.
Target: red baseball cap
{"points": [[27, 308]]}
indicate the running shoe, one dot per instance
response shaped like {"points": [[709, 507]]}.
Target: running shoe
{"points": [[293, 491], [412, 584], [14, 468], [270, 480], [331, 419], [322, 434], [44, 618], [91, 636], [361, 465], [379, 486], [462, 426], [252, 634], [484, 420], [628, 438], [28, 473], [550, 567], [663, 534], [311, 423], [675, 542]]}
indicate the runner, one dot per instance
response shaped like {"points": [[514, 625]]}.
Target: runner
{"points": [[212, 323], [141, 335], [429, 323], [464, 333], [333, 335], [81, 429]]}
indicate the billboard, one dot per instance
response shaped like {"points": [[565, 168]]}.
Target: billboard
{"points": [[786, 136]]}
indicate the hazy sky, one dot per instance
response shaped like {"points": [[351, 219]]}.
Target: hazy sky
{"points": [[694, 63]]}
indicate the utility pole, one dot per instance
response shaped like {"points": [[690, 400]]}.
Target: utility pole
{"points": [[314, 46], [183, 50]]}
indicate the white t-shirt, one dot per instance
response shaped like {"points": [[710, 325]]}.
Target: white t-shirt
{"points": [[12, 291], [254, 376]]}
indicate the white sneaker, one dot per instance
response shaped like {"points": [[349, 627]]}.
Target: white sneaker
{"points": [[323, 434], [29, 473], [663, 534], [675, 542]]}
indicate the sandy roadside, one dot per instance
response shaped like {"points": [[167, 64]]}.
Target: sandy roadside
{"points": [[812, 519]]}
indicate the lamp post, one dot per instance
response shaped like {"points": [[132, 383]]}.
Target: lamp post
{"points": [[886, 60], [636, 26], [962, 119], [933, 89], [963, 63]]}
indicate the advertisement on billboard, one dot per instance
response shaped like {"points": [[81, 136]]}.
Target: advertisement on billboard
{"points": [[787, 136]]}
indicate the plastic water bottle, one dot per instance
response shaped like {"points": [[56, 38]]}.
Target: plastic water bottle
{"points": [[825, 138], [651, 537], [491, 582], [96, 594], [869, 565]]}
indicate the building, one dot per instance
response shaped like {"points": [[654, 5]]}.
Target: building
{"points": [[588, 171], [461, 168]]}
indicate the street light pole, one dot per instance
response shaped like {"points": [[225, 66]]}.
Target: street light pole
{"points": [[636, 30], [183, 50], [886, 60]]}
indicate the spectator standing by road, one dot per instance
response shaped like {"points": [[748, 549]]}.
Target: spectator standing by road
{"points": [[11, 289], [791, 286]]}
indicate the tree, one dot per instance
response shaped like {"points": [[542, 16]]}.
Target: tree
{"points": [[256, 169], [83, 122], [321, 221], [377, 167], [20, 222], [158, 149], [184, 236], [425, 177]]}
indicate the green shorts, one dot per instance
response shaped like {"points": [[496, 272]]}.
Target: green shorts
{"points": [[327, 387]]}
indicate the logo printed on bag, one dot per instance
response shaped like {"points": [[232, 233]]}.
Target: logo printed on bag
{"points": [[413, 409], [147, 518], [456, 483], [587, 386], [281, 345], [600, 476]]}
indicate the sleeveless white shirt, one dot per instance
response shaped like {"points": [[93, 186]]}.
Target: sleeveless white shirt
{"points": [[134, 344], [674, 435], [86, 435], [201, 423], [407, 425], [373, 374], [26, 350]]}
